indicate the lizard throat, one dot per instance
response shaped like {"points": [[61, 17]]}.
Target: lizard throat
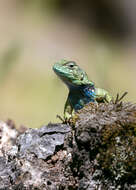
{"points": [[82, 96]]}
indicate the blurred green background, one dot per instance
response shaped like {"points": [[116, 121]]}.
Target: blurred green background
{"points": [[34, 34]]}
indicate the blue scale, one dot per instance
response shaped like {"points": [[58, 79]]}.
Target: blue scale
{"points": [[86, 95]]}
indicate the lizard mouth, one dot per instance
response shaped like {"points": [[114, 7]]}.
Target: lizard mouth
{"points": [[60, 72], [57, 70]]}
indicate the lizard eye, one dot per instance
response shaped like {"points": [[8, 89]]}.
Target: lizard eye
{"points": [[71, 64]]}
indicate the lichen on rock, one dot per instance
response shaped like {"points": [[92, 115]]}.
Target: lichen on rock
{"points": [[108, 132], [96, 151]]}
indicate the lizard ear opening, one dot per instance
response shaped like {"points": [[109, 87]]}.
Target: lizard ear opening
{"points": [[82, 77], [92, 84]]}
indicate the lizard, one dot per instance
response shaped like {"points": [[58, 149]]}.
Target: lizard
{"points": [[81, 89]]}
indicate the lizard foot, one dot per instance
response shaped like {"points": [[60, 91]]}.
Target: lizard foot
{"points": [[64, 120], [117, 100]]}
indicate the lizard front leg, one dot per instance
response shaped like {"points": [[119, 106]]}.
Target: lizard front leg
{"points": [[68, 110], [102, 95]]}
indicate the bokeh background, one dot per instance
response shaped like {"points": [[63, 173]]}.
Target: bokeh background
{"points": [[34, 34]]}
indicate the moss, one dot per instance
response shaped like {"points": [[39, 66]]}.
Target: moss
{"points": [[110, 130]]}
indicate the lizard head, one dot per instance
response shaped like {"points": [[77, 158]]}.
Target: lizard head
{"points": [[71, 74]]}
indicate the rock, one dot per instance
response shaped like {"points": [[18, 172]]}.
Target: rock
{"points": [[106, 139], [8, 173], [41, 142], [8, 135], [96, 152]]}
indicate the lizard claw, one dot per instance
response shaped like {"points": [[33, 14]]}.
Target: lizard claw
{"points": [[64, 120], [59, 117], [117, 100]]}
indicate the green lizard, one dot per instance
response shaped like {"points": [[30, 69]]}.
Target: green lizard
{"points": [[81, 89]]}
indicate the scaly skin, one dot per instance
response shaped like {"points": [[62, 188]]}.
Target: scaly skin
{"points": [[81, 89]]}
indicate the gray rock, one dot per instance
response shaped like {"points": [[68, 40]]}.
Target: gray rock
{"points": [[8, 173], [42, 142], [97, 153]]}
